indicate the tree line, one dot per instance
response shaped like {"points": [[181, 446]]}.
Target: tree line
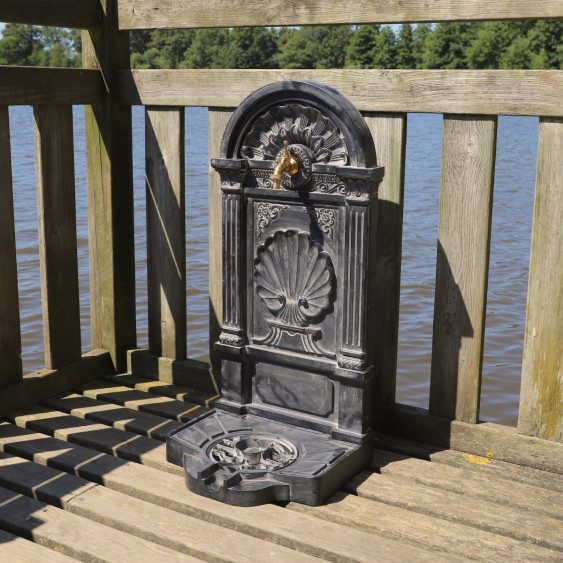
{"points": [[477, 45]]}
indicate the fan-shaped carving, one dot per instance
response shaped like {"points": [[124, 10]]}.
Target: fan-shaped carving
{"points": [[294, 277], [299, 125]]}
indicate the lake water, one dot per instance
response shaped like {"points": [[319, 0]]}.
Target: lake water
{"points": [[508, 274]]}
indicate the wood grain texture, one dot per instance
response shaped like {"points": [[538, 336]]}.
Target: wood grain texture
{"points": [[10, 335], [142, 401], [382, 512], [54, 150], [139, 14], [15, 548], [119, 417], [45, 383], [390, 134], [35, 86], [541, 395], [189, 373], [73, 535], [137, 517], [449, 506], [112, 441], [487, 439], [464, 230], [468, 480], [218, 119], [83, 14], [166, 231], [303, 533], [110, 197], [489, 467], [487, 92]]}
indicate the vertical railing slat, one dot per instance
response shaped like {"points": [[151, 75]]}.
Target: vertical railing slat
{"points": [[57, 234], [218, 119], [109, 164], [464, 227], [166, 231], [389, 135], [541, 395], [10, 336]]}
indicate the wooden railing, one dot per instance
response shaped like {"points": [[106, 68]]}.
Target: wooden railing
{"points": [[470, 102]]}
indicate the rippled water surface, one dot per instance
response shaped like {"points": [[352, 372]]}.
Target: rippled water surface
{"points": [[508, 275]]}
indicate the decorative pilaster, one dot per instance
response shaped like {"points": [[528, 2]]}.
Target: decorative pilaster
{"points": [[232, 174]]}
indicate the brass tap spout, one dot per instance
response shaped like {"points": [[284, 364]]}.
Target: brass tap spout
{"points": [[288, 163]]}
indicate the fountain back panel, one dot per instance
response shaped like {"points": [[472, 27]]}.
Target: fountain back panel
{"points": [[299, 180]]}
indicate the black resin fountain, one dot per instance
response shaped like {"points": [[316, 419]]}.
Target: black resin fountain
{"points": [[299, 181]]}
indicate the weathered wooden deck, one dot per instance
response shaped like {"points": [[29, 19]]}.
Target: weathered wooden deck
{"points": [[85, 475]]}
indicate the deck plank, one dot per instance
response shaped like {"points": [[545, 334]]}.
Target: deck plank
{"points": [[163, 388], [109, 440], [74, 535], [437, 505], [485, 464], [139, 518], [518, 524], [145, 424], [142, 401], [15, 548], [303, 533], [426, 531], [470, 482]]}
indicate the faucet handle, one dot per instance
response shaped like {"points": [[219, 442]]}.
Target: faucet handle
{"points": [[287, 163]]}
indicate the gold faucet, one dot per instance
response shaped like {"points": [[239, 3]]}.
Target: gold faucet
{"points": [[287, 163]]}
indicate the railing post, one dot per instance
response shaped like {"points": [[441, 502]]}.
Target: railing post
{"points": [[110, 195], [389, 133], [57, 234], [10, 336], [464, 232], [541, 395], [166, 231]]}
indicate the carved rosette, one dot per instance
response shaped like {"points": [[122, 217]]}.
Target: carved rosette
{"points": [[294, 278], [299, 125], [326, 221], [265, 214]]}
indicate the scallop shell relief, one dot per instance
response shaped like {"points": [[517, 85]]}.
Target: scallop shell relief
{"points": [[294, 278], [298, 125]]}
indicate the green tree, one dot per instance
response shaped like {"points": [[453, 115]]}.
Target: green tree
{"points": [[139, 40], [40, 46], [546, 42], [17, 43], [420, 34], [293, 50], [385, 50], [331, 44], [518, 55], [405, 56], [361, 45], [314, 47], [445, 47], [205, 49], [170, 44], [251, 47]]}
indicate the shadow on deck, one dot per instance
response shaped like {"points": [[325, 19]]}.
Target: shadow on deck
{"points": [[85, 475]]}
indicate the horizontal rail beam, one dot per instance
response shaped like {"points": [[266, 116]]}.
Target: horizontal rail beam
{"points": [[485, 439], [484, 92], [82, 14], [45, 383], [39, 86], [146, 14]]}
